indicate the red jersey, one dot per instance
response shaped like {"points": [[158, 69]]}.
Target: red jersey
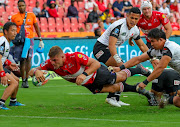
{"points": [[157, 20], [74, 65]]}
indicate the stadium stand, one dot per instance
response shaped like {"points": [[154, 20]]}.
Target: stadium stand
{"points": [[62, 23]]}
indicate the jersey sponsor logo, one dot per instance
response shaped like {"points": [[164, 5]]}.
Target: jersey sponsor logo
{"points": [[176, 82], [99, 54], [155, 81], [165, 49], [2, 49], [149, 24], [123, 34], [80, 56], [70, 65], [142, 23], [7, 50], [43, 64], [116, 31], [163, 16]]}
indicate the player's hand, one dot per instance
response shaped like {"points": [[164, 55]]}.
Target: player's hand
{"points": [[80, 79], [142, 85], [155, 63], [40, 76], [131, 43], [41, 44], [113, 69], [14, 67], [4, 81]]}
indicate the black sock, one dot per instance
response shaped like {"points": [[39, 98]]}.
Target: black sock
{"points": [[13, 100], [171, 99], [135, 71], [24, 80], [129, 88], [2, 101], [116, 95]]}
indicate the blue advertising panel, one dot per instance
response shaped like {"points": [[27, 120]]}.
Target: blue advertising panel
{"points": [[85, 46]]}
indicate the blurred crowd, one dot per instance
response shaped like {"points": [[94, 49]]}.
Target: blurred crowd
{"points": [[87, 15]]}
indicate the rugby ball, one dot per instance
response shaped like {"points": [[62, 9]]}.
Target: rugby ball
{"points": [[47, 76]]}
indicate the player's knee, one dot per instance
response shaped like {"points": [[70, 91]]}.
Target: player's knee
{"points": [[123, 77], [176, 101]]}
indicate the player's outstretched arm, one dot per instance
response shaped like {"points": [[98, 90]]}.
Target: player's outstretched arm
{"points": [[136, 60], [163, 63], [31, 72], [143, 47]]}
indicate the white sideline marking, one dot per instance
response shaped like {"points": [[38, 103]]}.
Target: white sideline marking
{"points": [[50, 86], [88, 119]]}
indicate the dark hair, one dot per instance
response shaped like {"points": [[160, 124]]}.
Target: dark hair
{"points": [[134, 10], [7, 26], [21, 1], [157, 34], [97, 32]]}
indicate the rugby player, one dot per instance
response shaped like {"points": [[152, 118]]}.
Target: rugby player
{"points": [[7, 78], [116, 34], [82, 70], [167, 51]]}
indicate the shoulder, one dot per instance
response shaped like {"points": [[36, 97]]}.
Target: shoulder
{"points": [[31, 14], [15, 15]]}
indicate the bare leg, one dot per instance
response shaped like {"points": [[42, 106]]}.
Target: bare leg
{"points": [[28, 66], [22, 69], [16, 90], [13, 84]]}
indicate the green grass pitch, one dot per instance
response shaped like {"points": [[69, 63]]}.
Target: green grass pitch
{"points": [[62, 104]]}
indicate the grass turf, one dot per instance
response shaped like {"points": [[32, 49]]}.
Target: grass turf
{"points": [[63, 104]]}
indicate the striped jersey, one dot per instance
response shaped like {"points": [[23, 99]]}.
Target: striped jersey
{"points": [[119, 29]]}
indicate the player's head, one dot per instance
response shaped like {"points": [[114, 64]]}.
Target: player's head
{"points": [[133, 17], [157, 38], [146, 8], [57, 56], [22, 6], [10, 30]]}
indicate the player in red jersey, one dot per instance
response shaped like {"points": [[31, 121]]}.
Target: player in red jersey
{"points": [[82, 70], [153, 19]]}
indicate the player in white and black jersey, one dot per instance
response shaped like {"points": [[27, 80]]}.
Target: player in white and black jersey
{"points": [[116, 34], [167, 51], [7, 78]]}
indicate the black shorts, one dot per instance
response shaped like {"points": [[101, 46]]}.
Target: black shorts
{"points": [[101, 52], [168, 81], [103, 77]]}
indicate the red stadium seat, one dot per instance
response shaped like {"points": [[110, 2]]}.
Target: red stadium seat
{"points": [[59, 27], [2, 9], [74, 27], [86, 15], [44, 28], [30, 9], [61, 12], [59, 21], [74, 20], [43, 20], [51, 27], [81, 6], [81, 25], [51, 20], [76, 5], [9, 9], [67, 28], [15, 9], [66, 21], [82, 16]]}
